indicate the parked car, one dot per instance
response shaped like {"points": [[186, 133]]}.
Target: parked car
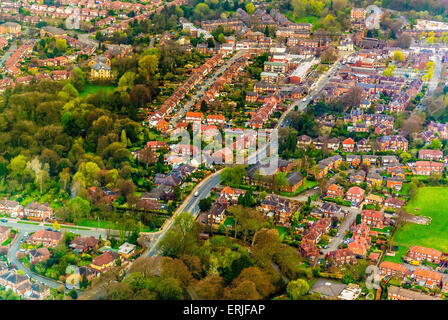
{"points": [[4, 220]]}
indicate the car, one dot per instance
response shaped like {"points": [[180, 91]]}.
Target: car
{"points": [[22, 250], [304, 99], [4, 220], [49, 229], [196, 193], [326, 247], [338, 234], [316, 187]]}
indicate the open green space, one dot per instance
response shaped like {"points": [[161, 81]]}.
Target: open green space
{"points": [[398, 254], [92, 88], [430, 202], [282, 232]]}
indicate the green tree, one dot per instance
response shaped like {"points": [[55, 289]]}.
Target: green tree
{"points": [[250, 8], [296, 289]]}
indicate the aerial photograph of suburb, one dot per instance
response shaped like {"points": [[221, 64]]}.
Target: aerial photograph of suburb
{"points": [[235, 157]]}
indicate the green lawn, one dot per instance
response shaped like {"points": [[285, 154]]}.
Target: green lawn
{"points": [[431, 202], [397, 258], [102, 225], [91, 88], [282, 232]]}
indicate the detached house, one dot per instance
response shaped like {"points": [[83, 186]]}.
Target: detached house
{"points": [[104, 261], [355, 195], [348, 145], [46, 238], [38, 210], [426, 168], [433, 155], [335, 191], [373, 218], [342, 256], [11, 208]]}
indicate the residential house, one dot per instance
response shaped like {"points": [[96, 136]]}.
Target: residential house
{"points": [[126, 250], [427, 277], [335, 191], [394, 203], [11, 208], [394, 183], [399, 293], [393, 269], [358, 177], [432, 155], [342, 256], [426, 168], [355, 195], [419, 253], [39, 255], [104, 261], [348, 145], [373, 218], [83, 244], [38, 210], [46, 238]]}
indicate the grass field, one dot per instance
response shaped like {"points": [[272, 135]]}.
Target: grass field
{"points": [[91, 88], [25, 222], [282, 232], [431, 202]]}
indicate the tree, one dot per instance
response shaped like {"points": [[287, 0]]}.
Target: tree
{"points": [[148, 67], [296, 289], [56, 226], [329, 56], [205, 204], [353, 97], [398, 56], [73, 294], [250, 8], [435, 144]]}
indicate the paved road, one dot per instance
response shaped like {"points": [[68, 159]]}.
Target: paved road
{"points": [[343, 228], [23, 229], [12, 258]]}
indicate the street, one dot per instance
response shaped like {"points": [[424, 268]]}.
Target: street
{"points": [[191, 203]]}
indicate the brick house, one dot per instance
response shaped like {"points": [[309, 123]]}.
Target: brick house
{"points": [[11, 208], [4, 234], [394, 183], [39, 255], [335, 191], [104, 261], [427, 278], [398, 293], [46, 238], [433, 155], [425, 168], [355, 195], [419, 253], [373, 218], [342, 256], [38, 210], [393, 269], [348, 145]]}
